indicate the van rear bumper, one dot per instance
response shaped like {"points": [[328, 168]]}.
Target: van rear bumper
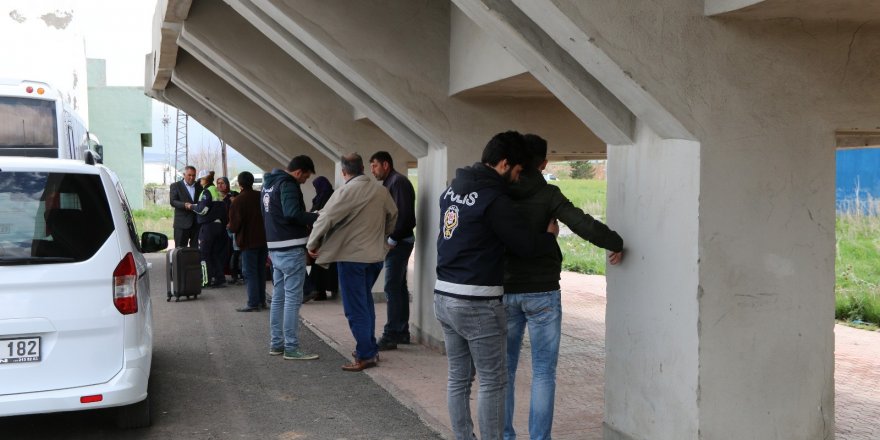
{"points": [[127, 387]]}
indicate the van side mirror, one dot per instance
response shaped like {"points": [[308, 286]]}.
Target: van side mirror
{"points": [[153, 242]]}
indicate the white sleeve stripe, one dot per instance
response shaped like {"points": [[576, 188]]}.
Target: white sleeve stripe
{"points": [[468, 289], [287, 243]]}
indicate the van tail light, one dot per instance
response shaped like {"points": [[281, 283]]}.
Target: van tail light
{"points": [[125, 286], [91, 399]]}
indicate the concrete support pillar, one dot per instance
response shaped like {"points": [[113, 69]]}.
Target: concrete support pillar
{"points": [[720, 322], [651, 340], [766, 292], [433, 178]]}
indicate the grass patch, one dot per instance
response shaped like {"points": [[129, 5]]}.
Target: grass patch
{"points": [[155, 218], [588, 195], [857, 287], [579, 255]]}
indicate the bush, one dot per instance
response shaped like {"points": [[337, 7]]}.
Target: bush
{"points": [[582, 169]]}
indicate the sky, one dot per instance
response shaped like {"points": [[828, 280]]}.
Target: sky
{"points": [[120, 31]]}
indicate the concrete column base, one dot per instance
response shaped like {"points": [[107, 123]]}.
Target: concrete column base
{"points": [[609, 433], [427, 339]]}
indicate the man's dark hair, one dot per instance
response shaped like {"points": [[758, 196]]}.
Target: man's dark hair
{"points": [[303, 163], [383, 156], [508, 145], [537, 149], [189, 167], [246, 180], [352, 164]]}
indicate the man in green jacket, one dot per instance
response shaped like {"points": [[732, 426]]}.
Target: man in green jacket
{"points": [[531, 287]]}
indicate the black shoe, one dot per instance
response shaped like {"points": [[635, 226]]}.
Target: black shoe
{"points": [[387, 344], [248, 309], [403, 339], [321, 296], [312, 295], [265, 305]]}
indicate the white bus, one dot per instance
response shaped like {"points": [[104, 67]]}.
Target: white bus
{"points": [[36, 121]]}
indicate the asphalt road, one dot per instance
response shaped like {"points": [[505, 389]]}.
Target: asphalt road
{"points": [[212, 378]]}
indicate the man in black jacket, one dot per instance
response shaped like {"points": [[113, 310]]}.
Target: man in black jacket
{"points": [[401, 243], [478, 222], [183, 196], [531, 287]]}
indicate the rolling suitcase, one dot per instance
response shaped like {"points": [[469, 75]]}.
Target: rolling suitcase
{"points": [[184, 273]]}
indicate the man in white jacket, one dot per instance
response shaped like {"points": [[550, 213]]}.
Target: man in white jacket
{"points": [[352, 231]]}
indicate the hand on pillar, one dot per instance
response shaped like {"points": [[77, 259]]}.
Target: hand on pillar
{"points": [[615, 257]]}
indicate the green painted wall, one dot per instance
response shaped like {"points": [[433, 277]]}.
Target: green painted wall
{"points": [[120, 118]]}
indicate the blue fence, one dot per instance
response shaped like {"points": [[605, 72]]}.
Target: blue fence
{"points": [[858, 180]]}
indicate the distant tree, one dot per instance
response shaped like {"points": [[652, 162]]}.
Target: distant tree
{"points": [[208, 157], [582, 169]]}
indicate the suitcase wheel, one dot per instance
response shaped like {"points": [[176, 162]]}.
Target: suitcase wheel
{"points": [[168, 299], [177, 300]]}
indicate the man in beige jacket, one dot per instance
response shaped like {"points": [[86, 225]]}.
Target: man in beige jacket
{"points": [[351, 231]]}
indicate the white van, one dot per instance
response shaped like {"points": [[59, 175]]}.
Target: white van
{"points": [[75, 316]]}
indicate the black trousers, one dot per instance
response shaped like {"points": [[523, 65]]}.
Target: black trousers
{"points": [[186, 237], [212, 247]]}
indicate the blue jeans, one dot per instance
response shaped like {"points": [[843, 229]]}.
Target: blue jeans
{"points": [[396, 292], [475, 333], [289, 272], [253, 263], [542, 311], [356, 284]]}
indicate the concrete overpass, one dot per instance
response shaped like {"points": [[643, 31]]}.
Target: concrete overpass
{"points": [[719, 120]]}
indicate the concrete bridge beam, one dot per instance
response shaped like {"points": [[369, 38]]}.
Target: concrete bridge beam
{"points": [[180, 99], [224, 42]]}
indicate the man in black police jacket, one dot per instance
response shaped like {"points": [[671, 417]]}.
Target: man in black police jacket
{"points": [[478, 222]]}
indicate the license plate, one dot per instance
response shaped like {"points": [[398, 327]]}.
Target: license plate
{"points": [[16, 351]]}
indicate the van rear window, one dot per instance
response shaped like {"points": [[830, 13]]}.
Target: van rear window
{"points": [[51, 217]]}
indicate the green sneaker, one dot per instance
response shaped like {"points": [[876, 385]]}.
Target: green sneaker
{"points": [[298, 355], [275, 351]]}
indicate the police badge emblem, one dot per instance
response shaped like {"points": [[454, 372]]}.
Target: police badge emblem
{"points": [[450, 221]]}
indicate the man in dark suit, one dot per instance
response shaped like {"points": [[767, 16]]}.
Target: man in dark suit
{"points": [[183, 198]]}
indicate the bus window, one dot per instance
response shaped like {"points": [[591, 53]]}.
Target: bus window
{"points": [[28, 127]]}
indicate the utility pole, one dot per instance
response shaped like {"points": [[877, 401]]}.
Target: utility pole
{"points": [[182, 151]]}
